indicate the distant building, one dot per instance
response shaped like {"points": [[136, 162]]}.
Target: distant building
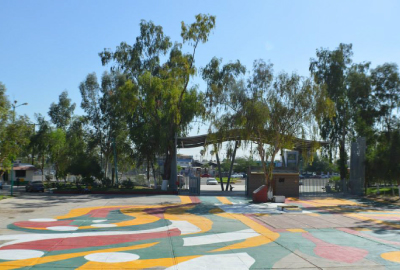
{"points": [[23, 173], [184, 161]]}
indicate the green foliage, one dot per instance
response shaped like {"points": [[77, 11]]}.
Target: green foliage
{"points": [[103, 110], [57, 151], [88, 180], [335, 178], [263, 109], [14, 131], [61, 113], [106, 182], [128, 184], [330, 69], [320, 164], [157, 99], [86, 166], [385, 81]]}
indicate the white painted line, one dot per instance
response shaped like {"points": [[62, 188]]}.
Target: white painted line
{"points": [[103, 225], [20, 254], [219, 238], [237, 261], [112, 257], [42, 219]]}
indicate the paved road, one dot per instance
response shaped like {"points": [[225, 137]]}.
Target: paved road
{"points": [[41, 231]]}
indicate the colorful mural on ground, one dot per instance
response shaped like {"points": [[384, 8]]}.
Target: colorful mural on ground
{"points": [[206, 233]]}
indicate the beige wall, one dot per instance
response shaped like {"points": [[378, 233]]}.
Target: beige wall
{"points": [[288, 188]]}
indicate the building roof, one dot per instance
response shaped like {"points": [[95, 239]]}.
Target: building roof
{"points": [[24, 167]]}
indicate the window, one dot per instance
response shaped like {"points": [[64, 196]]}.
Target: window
{"points": [[281, 180], [20, 173]]}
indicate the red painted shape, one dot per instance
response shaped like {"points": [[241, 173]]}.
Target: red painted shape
{"points": [[335, 252], [32, 224], [158, 212], [90, 241], [260, 194], [103, 212], [195, 199]]}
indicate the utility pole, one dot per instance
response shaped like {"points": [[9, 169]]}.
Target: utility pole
{"points": [[12, 159]]}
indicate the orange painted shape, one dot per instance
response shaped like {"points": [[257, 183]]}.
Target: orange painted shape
{"points": [[296, 230], [185, 199], [224, 200], [393, 256]]}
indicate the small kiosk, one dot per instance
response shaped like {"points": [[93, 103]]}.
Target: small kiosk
{"points": [[285, 179]]}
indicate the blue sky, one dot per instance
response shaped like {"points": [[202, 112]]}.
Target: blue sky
{"points": [[47, 47]]}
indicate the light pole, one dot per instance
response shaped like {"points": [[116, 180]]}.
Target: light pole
{"points": [[12, 159]]}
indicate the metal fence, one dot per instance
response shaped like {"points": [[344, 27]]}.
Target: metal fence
{"points": [[319, 187], [194, 185]]}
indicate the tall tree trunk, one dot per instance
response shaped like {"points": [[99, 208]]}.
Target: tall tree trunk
{"points": [[343, 155], [42, 168], [168, 163], [154, 174], [231, 167], [148, 172]]}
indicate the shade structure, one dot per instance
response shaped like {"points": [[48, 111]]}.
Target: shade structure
{"points": [[236, 135]]}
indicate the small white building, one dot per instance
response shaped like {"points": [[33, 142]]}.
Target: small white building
{"points": [[23, 173]]}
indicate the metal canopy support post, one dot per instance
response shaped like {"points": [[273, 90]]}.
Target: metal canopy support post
{"points": [[174, 173], [230, 169], [219, 171]]}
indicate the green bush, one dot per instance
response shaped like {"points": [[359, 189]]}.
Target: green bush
{"points": [[335, 178], [106, 182], [88, 180], [128, 184]]}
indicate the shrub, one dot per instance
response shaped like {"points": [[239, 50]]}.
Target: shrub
{"points": [[335, 178], [88, 180], [128, 184], [106, 182]]}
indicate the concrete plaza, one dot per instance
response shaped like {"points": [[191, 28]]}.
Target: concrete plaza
{"points": [[45, 231]]}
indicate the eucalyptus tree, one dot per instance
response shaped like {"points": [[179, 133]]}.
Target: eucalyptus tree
{"points": [[385, 82], [270, 112], [14, 132], [41, 142], [158, 99], [330, 69], [61, 113], [58, 151], [4, 122], [363, 102], [101, 106]]}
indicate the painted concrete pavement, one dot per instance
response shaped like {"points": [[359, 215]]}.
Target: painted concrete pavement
{"points": [[189, 232]]}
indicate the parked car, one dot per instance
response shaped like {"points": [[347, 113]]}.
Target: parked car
{"points": [[301, 176], [237, 176], [34, 186], [212, 181], [205, 175]]}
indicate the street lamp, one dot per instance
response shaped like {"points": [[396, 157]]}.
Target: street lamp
{"points": [[12, 159]]}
